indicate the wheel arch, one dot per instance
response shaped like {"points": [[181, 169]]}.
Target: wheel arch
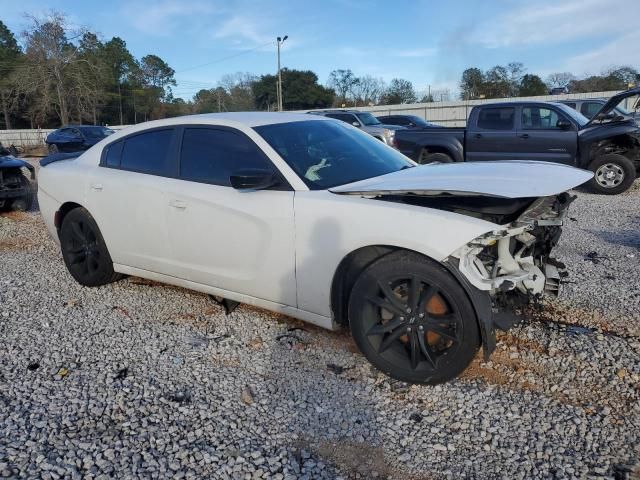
{"points": [[355, 262], [63, 211]]}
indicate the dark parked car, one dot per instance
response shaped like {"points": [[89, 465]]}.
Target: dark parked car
{"points": [[559, 91], [408, 121], [608, 144], [75, 138], [16, 190], [590, 106]]}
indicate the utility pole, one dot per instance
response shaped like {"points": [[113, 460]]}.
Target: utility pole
{"points": [[279, 86]]}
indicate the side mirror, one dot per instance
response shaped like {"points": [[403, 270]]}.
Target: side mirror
{"points": [[355, 124], [563, 124], [253, 179]]}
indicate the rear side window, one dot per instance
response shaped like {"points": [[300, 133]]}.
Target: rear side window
{"points": [[112, 157], [500, 118], [148, 152], [211, 155], [345, 117]]}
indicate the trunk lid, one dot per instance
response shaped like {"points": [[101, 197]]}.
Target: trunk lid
{"points": [[507, 179]]}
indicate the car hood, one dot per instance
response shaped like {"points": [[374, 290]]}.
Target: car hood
{"points": [[613, 102], [506, 179]]}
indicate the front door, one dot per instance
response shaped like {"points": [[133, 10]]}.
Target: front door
{"points": [[541, 137], [241, 241]]}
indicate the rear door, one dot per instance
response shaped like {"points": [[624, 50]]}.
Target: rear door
{"points": [[241, 241], [492, 135], [540, 137], [125, 196]]}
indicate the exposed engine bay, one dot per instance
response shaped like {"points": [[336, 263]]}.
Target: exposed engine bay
{"points": [[513, 262]]}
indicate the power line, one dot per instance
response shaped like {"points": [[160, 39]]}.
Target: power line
{"points": [[225, 58]]}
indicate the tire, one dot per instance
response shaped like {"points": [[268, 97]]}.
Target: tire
{"points": [[428, 349], [84, 251], [613, 174], [53, 148], [24, 203], [437, 157]]}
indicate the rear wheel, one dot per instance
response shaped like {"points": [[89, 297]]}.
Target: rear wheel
{"points": [[613, 174], [412, 319], [436, 157], [84, 250]]}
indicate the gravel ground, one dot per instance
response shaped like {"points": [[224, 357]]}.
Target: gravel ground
{"points": [[139, 379]]}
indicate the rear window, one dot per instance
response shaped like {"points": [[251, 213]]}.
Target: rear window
{"points": [[148, 152], [500, 118], [112, 158]]}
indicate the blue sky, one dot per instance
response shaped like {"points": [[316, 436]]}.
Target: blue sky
{"points": [[427, 42]]}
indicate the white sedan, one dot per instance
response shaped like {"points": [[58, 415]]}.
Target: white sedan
{"points": [[312, 218]]}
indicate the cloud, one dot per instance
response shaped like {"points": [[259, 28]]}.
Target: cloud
{"points": [[552, 22], [243, 29], [620, 51], [163, 18]]}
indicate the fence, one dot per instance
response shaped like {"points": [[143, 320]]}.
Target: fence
{"points": [[449, 114]]}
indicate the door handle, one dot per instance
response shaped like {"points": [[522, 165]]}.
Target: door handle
{"points": [[524, 135], [179, 204], [478, 135], [96, 187]]}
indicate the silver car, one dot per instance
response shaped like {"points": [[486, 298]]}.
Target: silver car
{"points": [[365, 121]]}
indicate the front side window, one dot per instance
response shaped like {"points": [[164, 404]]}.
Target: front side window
{"points": [[499, 118], [326, 154], [211, 155], [148, 152], [539, 118]]}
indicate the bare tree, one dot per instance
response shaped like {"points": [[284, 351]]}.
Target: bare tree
{"points": [[560, 79], [343, 82], [368, 90]]}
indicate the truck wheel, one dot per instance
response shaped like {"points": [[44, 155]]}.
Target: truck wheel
{"points": [[426, 157], [412, 319], [614, 174]]}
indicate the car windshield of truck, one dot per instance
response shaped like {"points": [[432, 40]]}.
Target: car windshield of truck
{"points": [[576, 116], [327, 154], [368, 119]]}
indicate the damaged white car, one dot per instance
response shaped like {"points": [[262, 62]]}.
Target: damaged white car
{"points": [[310, 217]]}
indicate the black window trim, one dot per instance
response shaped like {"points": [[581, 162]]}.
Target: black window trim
{"points": [[283, 184]]}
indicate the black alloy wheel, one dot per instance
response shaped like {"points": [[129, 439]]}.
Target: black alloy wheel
{"points": [[413, 320]]}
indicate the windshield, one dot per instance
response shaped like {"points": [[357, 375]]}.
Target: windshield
{"points": [[96, 132], [328, 154], [577, 117], [368, 119]]}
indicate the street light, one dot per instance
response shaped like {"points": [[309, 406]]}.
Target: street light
{"points": [[279, 86]]}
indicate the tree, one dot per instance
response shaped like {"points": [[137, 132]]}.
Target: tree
{"points": [[122, 70], [497, 83], [531, 85], [472, 84], [238, 89], [399, 91], [515, 73], [368, 90], [559, 79], [343, 82], [10, 54], [156, 73], [300, 91]]}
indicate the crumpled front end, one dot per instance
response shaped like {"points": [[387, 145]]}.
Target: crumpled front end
{"points": [[513, 262]]}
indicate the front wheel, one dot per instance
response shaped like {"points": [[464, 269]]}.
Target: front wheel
{"points": [[436, 157], [412, 319], [84, 251], [613, 174]]}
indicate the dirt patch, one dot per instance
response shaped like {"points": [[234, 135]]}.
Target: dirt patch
{"points": [[19, 244], [16, 216]]}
